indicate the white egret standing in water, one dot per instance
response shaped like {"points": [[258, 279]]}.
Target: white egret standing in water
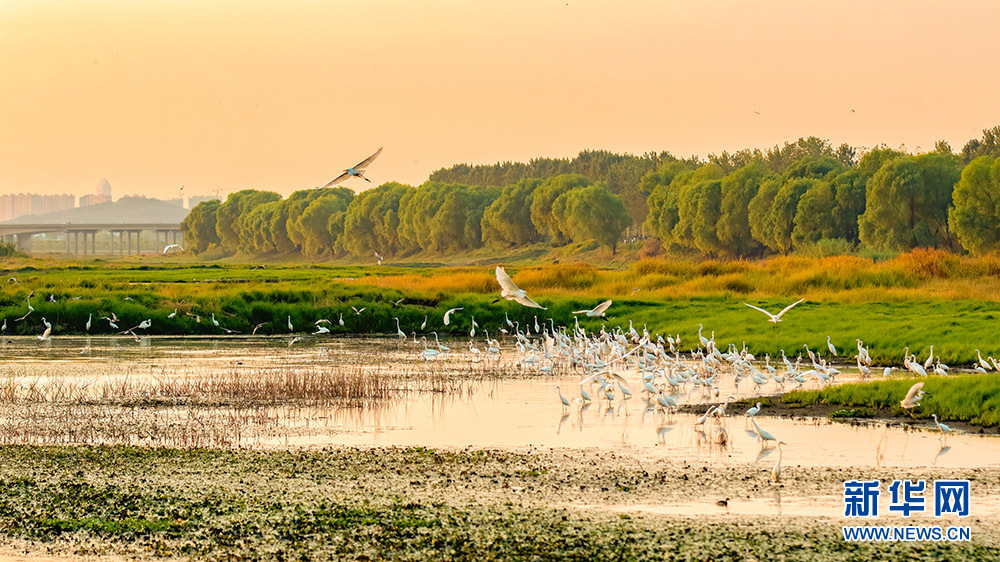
{"points": [[776, 471], [944, 428]]}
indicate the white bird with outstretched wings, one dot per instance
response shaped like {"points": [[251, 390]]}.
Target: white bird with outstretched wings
{"points": [[913, 397], [775, 318], [357, 170], [509, 290], [597, 310]]}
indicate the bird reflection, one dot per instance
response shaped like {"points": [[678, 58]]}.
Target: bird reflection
{"points": [[942, 451]]}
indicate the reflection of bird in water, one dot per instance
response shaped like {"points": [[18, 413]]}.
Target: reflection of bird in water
{"points": [[562, 420], [944, 449], [880, 448], [661, 433]]}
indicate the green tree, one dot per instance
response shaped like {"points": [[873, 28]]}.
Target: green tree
{"points": [[874, 159], [780, 219], [237, 205], [849, 195], [760, 208], [975, 218], [542, 201], [662, 200], [814, 215], [198, 227], [813, 167], [988, 145], [592, 212], [254, 228], [371, 222], [507, 221], [738, 189], [314, 222], [907, 203]]}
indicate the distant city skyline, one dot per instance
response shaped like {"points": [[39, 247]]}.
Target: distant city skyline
{"points": [[275, 96]]}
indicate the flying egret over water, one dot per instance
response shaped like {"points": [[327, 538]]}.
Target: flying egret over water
{"points": [[597, 310], [448, 313], [509, 290], [775, 318], [357, 170]]}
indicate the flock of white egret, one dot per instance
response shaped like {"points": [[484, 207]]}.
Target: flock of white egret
{"points": [[659, 370]]}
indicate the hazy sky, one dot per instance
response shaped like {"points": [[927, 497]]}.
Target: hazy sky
{"points": [[284, 95]]}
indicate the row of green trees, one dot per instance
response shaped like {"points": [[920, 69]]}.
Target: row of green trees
{"points": [[888, 201], [748, 203], [396, 219]]}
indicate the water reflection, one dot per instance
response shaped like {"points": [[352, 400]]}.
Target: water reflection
{"points": [[453, 402]]}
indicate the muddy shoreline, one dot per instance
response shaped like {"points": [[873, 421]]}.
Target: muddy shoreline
{"points": [[422, 504], [774, 407]]}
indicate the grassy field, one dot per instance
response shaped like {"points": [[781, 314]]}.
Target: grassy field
{"points": [[410, 504], [970, 398], [916, 300]]}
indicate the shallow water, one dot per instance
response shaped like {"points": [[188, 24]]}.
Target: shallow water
{"points": [[489, 403]]}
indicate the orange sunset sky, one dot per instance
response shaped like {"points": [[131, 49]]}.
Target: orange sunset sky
{"points": [[284, 95]]}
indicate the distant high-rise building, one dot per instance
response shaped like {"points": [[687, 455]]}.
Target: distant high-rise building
{"points": [[104, 188], [20, 204]]}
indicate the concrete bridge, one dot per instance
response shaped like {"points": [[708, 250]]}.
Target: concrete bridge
{"points": [[122, 232]]}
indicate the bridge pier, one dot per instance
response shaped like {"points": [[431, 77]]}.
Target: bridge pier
{"points": [[21, 236]]}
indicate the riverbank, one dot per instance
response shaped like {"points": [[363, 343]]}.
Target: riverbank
{"points": [[890, 306], [420, 503]]}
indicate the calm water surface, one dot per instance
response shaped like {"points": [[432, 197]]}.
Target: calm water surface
{"points": [[487, 403]]}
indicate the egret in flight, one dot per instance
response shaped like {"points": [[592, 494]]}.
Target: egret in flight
{"points": [[357, 170], [913, 397], [169, 247], [448, 313], [509, 290], [597, 310], [775, 318]]}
